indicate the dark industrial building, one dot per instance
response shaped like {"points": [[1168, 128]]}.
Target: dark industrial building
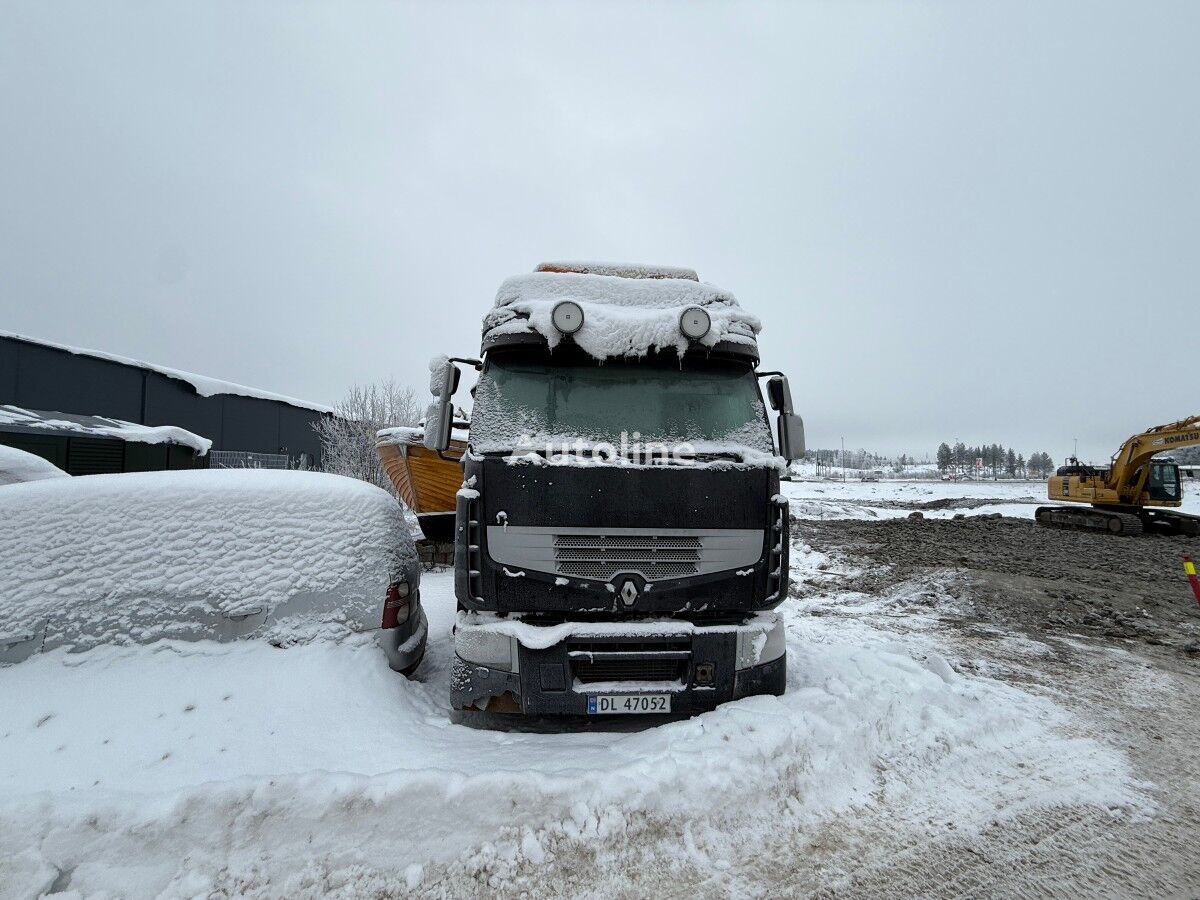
{"points": [[247, 427], [90, 445]]}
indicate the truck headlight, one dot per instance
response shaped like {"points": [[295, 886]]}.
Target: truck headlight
{"points": [[760, 643], [484, 647]]}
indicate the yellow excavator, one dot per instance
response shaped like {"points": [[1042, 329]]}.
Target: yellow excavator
{"points": [[1135, 493]]}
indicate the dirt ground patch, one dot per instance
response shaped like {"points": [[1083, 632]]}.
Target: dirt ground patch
{"points": [[1106, 626], [1040, 580]]}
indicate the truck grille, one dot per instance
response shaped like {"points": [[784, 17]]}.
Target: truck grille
{"points": [[629, 660], [602, 556]]}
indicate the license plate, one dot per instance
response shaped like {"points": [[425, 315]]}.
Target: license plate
{"points": [[618, 704]]}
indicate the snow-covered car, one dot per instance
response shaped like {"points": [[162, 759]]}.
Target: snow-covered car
{"points": [[206, 554], [18, 467]]}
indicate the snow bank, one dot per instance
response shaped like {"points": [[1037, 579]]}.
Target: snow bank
{"points": [[622, 316], [202, 384], [319, 764], [141, 557], [102, 426], [17, 467]]}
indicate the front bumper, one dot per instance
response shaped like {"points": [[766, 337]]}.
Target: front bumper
{"points": [[505, 665]]}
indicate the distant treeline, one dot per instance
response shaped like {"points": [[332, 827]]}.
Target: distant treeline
{"points": [[997, 460], [856, 459]]}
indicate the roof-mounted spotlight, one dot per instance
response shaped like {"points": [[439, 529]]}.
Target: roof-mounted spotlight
{"points": [[567, 316], [694, 323]]}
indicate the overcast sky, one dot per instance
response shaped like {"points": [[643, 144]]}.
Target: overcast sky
{"points": [[955, 220]]}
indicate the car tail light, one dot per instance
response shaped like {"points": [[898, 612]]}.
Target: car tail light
{"points": [[396, 606]]}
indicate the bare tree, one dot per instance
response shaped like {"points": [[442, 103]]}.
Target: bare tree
{"points": [[348, 437]]}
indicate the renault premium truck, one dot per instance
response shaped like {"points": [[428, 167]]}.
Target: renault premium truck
{"points": [[620, 538]]}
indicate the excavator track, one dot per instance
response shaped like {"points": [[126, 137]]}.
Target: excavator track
{"points": [[1089, 518], [1171, 522]]}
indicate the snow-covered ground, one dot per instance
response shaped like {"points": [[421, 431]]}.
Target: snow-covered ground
{"points": [[934, 499], [177, 769], [896, 499], [19, 467]]}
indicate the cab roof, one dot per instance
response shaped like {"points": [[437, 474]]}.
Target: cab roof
{"points": [[628, 310]]}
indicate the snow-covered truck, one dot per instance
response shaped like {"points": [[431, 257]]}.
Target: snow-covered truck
{"points": [[621, 540]]}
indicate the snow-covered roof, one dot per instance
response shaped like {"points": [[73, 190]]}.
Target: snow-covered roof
{"points": [[622, 315], [38, 420], [202, 384], [17, 467], [412, 435], [400, 434], [621, 270]]}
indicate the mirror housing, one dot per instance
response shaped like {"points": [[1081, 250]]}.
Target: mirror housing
{"points": [[439, 417], [441, 371], [790, 425], [778, 394], [791, 436]]}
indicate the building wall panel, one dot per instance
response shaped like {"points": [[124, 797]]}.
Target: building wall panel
{"points": [[250, 424], [170, 401], [46, 378], [55, 379]]}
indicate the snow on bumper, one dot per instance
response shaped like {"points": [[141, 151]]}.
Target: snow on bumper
{"points": [[551, 669]]}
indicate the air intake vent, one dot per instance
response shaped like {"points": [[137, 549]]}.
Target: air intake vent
{"points": [[664, 660], [602, 556], [95, 456], [596, 670]]}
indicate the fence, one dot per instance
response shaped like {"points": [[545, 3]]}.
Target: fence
{"points": [[238, 459]]}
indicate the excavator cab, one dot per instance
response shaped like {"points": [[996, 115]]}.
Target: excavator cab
{"points": [[1163, 484]]}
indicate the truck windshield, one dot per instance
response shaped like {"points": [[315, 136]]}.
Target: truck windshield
{"points": [[660, 398]]}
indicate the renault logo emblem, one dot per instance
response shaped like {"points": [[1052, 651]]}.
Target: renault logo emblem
{"points": [[629, 592]]}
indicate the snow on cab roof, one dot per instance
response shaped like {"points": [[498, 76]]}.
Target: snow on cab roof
{"points": [[620, 270], [203, 385], [40, 420], [623, 314]]}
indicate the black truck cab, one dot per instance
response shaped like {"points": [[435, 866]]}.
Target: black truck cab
{"points": [[621, 539]]}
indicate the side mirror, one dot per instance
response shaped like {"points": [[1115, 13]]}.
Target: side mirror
{"points": [[779, 395], [441, 373], [791, 426], [439, 417], [791, 436]]}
